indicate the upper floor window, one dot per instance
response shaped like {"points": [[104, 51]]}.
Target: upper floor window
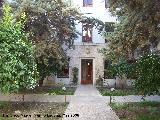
{"points": [[87, 32], [106, 4], [87, 3]]}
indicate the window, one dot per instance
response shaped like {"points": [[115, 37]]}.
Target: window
{"points": [[87, 32], [87, 3], [106, 4], [64, 72]]}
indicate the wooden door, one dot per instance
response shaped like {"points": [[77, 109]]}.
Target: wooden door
{"points": [[86, 71]]}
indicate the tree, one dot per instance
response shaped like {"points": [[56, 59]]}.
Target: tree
{"points": [[52, 26], [138, 26], [17, 62]]}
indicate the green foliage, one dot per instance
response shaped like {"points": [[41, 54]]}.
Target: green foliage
{"points": [[137, 111], [99, 81], [4, 104], [109, 27], [61, 92], [110, 71], [144, 117], [137, 26], [107, 92], [51, 24], [75, 75], [17, 62], [147, 103], [148, 68], [132, 73], [119, 105], [122, 67]]}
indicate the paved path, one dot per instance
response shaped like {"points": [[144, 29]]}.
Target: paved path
{"points": [[90, 105]]}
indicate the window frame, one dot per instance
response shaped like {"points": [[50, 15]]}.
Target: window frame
{"points": [[91, 31], [85, 4]]}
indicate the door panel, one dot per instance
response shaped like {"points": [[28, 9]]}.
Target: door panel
{"points": [[86, 71]]}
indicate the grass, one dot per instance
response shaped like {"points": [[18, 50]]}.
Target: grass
{"points": [[118, 92], [33, 109], [50, 91], [137, 111]]}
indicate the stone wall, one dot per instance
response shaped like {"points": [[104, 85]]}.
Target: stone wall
{"points": [[85, 51]]}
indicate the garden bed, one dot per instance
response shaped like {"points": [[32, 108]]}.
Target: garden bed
{"points": [[20, 110], [117, 92], [50, 91], [137, 111]]}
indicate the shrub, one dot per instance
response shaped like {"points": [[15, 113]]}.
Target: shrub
{"points": [[148, 68], [75, 75]]}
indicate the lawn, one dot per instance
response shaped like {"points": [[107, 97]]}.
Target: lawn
{"points": [[50, 91], [137, 111], [117, 92], [20, 110]]}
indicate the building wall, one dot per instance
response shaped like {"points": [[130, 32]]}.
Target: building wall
{"points": [[98, 11], [85, 52]]}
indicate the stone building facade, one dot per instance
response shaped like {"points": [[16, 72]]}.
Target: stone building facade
{"points": [[85, 52]]}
